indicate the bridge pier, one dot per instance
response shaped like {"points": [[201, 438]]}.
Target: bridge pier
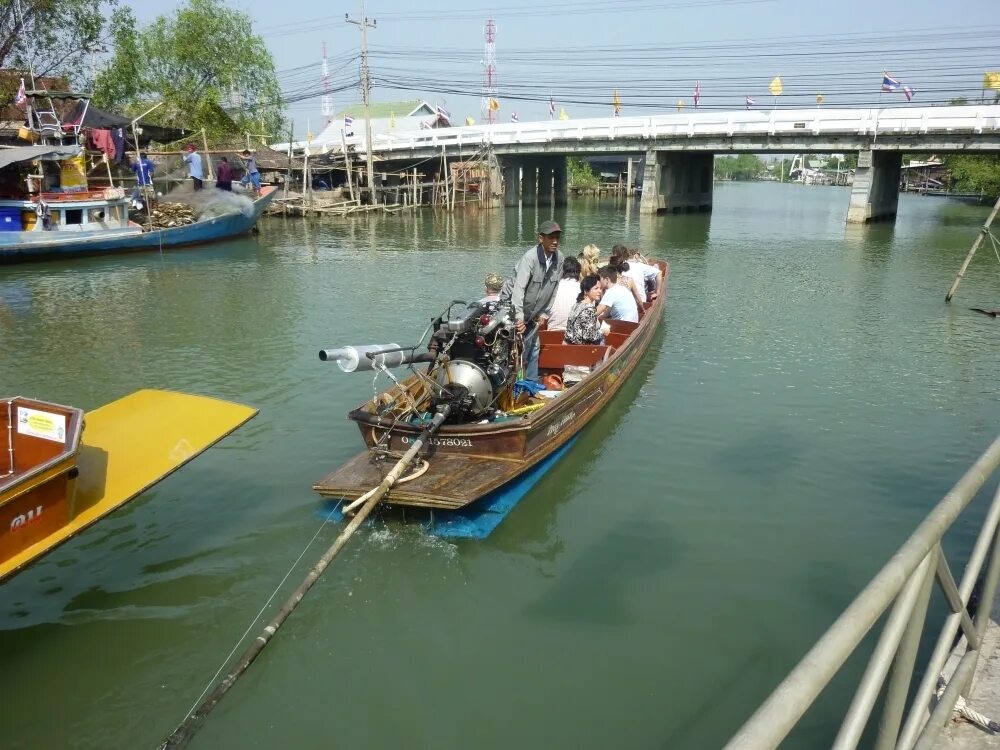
{"points": [[560, 182], [529, 181], [676, 181], [511, 184], [875, 194], [545, 182]]}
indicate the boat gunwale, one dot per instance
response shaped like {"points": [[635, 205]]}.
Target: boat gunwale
{"points": [[19, 483]]}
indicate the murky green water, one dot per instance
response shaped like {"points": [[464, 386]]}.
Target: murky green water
{"points": [[809, 399]]}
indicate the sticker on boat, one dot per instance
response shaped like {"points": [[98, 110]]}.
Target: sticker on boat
{"points": [[41, 424]]}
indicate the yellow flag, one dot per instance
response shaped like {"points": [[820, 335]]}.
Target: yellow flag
{"points": [[991, 79], [680, 104], [819, 98], [494, 105], [616, 102], [562, 114], [470, 121], [392, 119], [775, 87]]}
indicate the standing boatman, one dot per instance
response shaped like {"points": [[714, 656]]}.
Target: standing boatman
{"points": [[531, 291], [195, 170]]}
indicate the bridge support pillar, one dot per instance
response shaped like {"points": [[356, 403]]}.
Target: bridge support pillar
{"points": [[545, 183], [676, 181], [529, 181], [560, 183], [511, 184], [875, 194]]}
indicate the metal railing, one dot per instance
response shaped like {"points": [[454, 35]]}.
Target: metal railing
{"points": [[904, 584], [964, 120]]}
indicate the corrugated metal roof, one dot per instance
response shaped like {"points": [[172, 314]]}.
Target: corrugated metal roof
{"points": [[411, 108]]}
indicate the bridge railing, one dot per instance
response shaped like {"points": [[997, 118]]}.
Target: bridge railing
{"points": [[904, 584], [817, 121]]}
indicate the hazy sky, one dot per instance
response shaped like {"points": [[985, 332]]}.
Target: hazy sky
{"points": [[652, 52]]}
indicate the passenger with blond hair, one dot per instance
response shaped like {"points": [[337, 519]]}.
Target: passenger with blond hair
{"points": [[588, 260]]}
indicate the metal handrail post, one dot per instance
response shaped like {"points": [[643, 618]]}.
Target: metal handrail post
{"points": [[902, 668], [984, 545], [946, 703], [956, 602], [882, 657], [772, 722]]}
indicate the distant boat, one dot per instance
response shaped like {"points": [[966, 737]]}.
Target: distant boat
{"points": [[53, 226]]}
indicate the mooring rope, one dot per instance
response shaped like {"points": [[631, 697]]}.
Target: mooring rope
{"points": [[263, 609]]}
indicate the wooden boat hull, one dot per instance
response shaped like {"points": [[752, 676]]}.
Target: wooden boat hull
{"points": [[127, 446], [467, 462], [35, 246]]}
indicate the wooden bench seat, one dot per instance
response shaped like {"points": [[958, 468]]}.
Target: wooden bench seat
{"points": [[585, 355]]}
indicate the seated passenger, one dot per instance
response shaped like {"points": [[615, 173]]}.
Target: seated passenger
{"points": [[620, 263], [588, 260], [565, 296], [582, 326], [493, 283], [617, 303], [651, 276]]}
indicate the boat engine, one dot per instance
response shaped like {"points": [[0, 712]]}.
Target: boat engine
{"points": [[475, 354]]}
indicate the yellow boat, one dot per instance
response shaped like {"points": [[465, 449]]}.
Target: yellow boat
{"points": [[61, 470]]}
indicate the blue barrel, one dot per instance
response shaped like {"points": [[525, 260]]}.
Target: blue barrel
{"points": [[10, 219]]}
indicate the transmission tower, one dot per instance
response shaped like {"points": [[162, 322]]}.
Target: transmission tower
{"points": [[327, 101], [490, 71]]}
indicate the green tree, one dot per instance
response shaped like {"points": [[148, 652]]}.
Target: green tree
{"points": [[55, 37], [204, 62], [974, 173], [742, 167], [581, 175]]}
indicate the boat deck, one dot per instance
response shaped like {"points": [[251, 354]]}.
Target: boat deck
{"points": [[450, 482]]}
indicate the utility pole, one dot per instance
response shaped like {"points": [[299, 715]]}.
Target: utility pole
{"points": [[364, 24]]}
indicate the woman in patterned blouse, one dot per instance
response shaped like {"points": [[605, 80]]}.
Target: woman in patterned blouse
{"points": [[582, 326]]}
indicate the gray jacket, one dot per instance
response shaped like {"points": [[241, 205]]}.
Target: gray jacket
{"points": [[532, 289]]}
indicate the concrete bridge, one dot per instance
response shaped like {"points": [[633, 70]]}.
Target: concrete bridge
{"points": [[680, 148]]}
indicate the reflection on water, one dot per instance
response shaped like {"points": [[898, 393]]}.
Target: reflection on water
{"points": [[809, 399]]}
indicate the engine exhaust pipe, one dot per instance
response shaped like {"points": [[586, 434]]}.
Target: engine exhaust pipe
{"points": [[367, 357]]}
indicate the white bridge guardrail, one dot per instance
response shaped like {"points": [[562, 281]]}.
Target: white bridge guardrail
{"points": [[964, 120]]}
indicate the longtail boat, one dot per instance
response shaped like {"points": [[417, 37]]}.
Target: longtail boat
{"points": [[493, 441], [62, 470]]}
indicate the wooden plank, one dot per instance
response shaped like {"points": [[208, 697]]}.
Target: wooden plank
{"points": [[622, 326]]}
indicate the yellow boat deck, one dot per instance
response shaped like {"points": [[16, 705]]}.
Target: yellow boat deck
{"points": [[130, 445]]}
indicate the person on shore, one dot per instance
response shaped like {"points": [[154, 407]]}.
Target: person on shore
{"points": [[588, 260], [224, 175], [618, 303], [252, 176], [582, 327], [566, 293], [531, 289], [195, 170], [143, 169]]}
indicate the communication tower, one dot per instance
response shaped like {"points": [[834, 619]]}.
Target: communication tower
{"points": [[490, 72]]}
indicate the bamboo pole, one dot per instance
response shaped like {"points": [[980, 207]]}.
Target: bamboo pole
{"points": [[444, 168], [186, 730], [111, 180], [347, 164], [204, 141], [972, 251]]}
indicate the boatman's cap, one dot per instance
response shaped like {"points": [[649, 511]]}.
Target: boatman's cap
{"points": [[494, 281], [549, 227]]}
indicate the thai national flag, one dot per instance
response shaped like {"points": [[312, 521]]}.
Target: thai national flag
{"points": [[750, 102], [888, 82], [552, 107], [513, 116], [348, 122], [908, 93], [21, 98], [697, 94]]}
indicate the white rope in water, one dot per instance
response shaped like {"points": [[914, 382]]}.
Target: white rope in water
{"points": [[211, 682]]}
